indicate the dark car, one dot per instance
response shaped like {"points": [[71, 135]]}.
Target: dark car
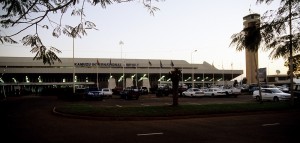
{"points": [[181, 89], [162, 91], [93, 93], [144, 90], [130, 93]]}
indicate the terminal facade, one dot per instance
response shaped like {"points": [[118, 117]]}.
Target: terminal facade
{"points": [[24, 73]]}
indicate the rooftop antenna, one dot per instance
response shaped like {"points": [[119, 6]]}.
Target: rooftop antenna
{"points": [[250, 11]]}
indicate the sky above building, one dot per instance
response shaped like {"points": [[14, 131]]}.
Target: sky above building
{"points": [[173, 33]]}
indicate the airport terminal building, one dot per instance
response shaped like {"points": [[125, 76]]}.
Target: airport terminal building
{"points": [[24, 73]]}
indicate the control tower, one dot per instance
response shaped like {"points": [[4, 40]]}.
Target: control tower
{"points": [[251, 56]]}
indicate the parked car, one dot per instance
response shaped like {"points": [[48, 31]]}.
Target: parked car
{"points": [[192, 92], [107, 92], [117, 90], [182, 88], [252, 89], [162, 91], [273, 94], [232, 91], [283, 88], [214, 92], [130, 93], [144, 90], [93, 93]]}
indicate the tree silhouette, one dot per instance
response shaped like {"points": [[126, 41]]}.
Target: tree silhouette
{"points": [[35, 13], [281, 32], [175, 76]]}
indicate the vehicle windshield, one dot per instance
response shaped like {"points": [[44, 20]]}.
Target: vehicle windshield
{"points": [[276, 90], [196, 89]]}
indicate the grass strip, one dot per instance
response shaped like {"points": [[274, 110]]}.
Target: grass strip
{"points": [[167, 111]]}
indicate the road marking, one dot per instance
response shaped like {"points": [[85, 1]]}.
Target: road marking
{"points": [[274, 124], [145, 105], [119, 106], [149, 134], [168, 103]]}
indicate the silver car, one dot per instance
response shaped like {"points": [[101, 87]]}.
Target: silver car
{"points": [[193, 92], [273, 94]]}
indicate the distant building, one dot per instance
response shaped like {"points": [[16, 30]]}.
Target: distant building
{"points": [[25, 74], [278, 79]]}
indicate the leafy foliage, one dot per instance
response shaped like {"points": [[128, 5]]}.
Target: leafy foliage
{"points": [[276, 28], [42, 53], [273, 31], [296, 65], [249, 38], [31, 13], [7, 40]]}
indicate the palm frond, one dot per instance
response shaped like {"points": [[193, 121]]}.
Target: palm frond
{"points": [[238, 41]]}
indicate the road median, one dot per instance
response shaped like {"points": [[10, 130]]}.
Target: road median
{"points": [[168, 112]]}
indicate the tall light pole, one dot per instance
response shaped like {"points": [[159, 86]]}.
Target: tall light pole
{"points": [[192, 67], [73, 32], [231, 71], [268, 72], [121, 43], [73, 67]]}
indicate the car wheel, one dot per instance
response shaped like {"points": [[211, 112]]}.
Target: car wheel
{"points": [[275, 99], [192, 95], [212, 95], [257, 98]]}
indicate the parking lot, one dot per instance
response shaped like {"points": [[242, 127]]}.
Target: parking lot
{"points": [[152, 100]]}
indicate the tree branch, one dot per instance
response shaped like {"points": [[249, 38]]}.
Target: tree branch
{"points": [[25, 12]]}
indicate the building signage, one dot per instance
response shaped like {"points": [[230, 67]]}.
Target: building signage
{"points": [[105, 64], [262, 74]]}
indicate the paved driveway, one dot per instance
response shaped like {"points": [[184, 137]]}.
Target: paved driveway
{"points": [[29, 119]]}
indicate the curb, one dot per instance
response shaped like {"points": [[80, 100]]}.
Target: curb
{"points": [[136, 118]]}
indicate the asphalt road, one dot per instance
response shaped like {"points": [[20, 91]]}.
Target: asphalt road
{"points": [[30, 119]]}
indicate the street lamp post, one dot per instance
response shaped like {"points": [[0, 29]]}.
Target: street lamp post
{"points": [[192, 67], [73, 68], [121, 43]]}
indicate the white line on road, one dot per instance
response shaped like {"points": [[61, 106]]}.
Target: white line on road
{"points": [[168, 103], [118, 105], [274, 124], [145, 105], [149, 134]]}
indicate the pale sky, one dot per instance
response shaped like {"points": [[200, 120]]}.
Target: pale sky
{"points": [[173, 33]]}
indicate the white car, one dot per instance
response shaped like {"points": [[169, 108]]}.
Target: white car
{"points": [[273, 94], [214, 92], [107, 92], [193, 92]]}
